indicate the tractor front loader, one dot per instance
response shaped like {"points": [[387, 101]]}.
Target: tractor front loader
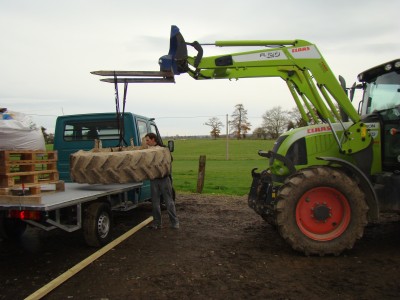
{"points": [[323, 182]]}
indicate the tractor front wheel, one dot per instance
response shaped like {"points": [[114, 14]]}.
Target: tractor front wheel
{"points": [[321, 210]]}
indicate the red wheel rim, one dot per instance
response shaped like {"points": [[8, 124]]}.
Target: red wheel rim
{"points": [[323, 213]]}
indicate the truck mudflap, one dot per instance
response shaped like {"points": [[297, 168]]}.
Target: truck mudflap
{"points": [[262, 195]]}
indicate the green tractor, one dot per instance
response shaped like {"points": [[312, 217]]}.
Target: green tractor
{"points": [[325, 181]]}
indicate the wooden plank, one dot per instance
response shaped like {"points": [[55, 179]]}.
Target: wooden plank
{"points": [[26, 161], [5, 191], [31, 199], [31, 191], [2, 152], [34, 178], [11, 167], [43, 291], [20, 162], [26, 155], [27, 173], [134, 73]]}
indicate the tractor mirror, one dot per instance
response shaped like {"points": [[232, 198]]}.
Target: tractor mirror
{"points": [[171, 146]]}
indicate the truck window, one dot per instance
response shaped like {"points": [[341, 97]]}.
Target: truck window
{"points": [[89, 130], [154, 129], [142, 126]]}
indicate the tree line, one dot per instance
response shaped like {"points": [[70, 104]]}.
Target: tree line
{"points": [[275, 121]]}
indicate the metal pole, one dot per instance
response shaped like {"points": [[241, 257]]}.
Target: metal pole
{"points": [[227, 138]]}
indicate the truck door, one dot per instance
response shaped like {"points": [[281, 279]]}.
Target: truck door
{"points": [[143, 128]]}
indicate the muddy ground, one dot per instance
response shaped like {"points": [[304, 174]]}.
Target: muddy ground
{"points": [[222, 251]]}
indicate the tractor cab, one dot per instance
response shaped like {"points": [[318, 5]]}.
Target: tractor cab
{"points": [[381, 104]]}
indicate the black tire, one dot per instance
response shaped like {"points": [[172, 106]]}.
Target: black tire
{"points": [[11, 229], [270, 219], [320, 210], [119, 167], [97, 224]]}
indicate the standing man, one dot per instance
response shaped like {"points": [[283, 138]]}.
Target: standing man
{"points": [[161, 187]]}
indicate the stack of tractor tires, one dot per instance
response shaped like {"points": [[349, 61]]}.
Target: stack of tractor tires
{"points": [[120, 167]]}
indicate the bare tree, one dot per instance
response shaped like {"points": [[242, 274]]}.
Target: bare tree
{"points": [[239, 123], [275, 121], [260, 133], [215, 125], [295, 118]]}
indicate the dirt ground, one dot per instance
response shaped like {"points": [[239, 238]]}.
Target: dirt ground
{"points": [[223, 250]]}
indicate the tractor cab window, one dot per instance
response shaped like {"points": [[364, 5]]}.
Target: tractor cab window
{"points": [[383, 93]]}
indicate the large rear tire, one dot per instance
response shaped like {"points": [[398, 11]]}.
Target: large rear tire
{"points": [[120, 167], [97, 224], [321, 210]]}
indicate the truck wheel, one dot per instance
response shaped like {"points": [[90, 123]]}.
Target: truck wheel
{"points": [[97, 224], [11, 228], [320, 210]]}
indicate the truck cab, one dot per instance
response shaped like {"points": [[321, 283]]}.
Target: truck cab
{"points": [[79, 132]]}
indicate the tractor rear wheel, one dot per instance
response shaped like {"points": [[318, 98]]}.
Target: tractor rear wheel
{"points": [[321, 210]]}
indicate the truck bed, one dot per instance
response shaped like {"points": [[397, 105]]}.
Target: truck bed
{"points": [[74, 193]]}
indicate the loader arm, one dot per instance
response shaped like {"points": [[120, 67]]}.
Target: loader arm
{"points": [[280, 62], [315, 90]]}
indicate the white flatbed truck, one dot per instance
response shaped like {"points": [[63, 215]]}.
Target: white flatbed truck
{"points": [[70, 206], [79, 206]]}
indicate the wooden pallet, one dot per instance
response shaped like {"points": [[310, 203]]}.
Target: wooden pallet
{"points": [[27, 161], [33, 195], [25, 173]]}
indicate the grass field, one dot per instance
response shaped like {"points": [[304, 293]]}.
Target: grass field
{"points": [[222, 176]]}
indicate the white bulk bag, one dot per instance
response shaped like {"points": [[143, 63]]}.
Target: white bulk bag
{"points": [[19, 132]]}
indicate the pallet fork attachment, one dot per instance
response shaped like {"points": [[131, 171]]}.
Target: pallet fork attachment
{"points": [[174, 63]]}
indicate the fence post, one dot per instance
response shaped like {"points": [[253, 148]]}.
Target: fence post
{"points": [[201, 174]]}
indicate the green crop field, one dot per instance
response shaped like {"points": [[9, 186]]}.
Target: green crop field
{"points": [[230, 176]]}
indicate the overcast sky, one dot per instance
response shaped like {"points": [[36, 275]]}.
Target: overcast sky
{"points": [[49, 47]]}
